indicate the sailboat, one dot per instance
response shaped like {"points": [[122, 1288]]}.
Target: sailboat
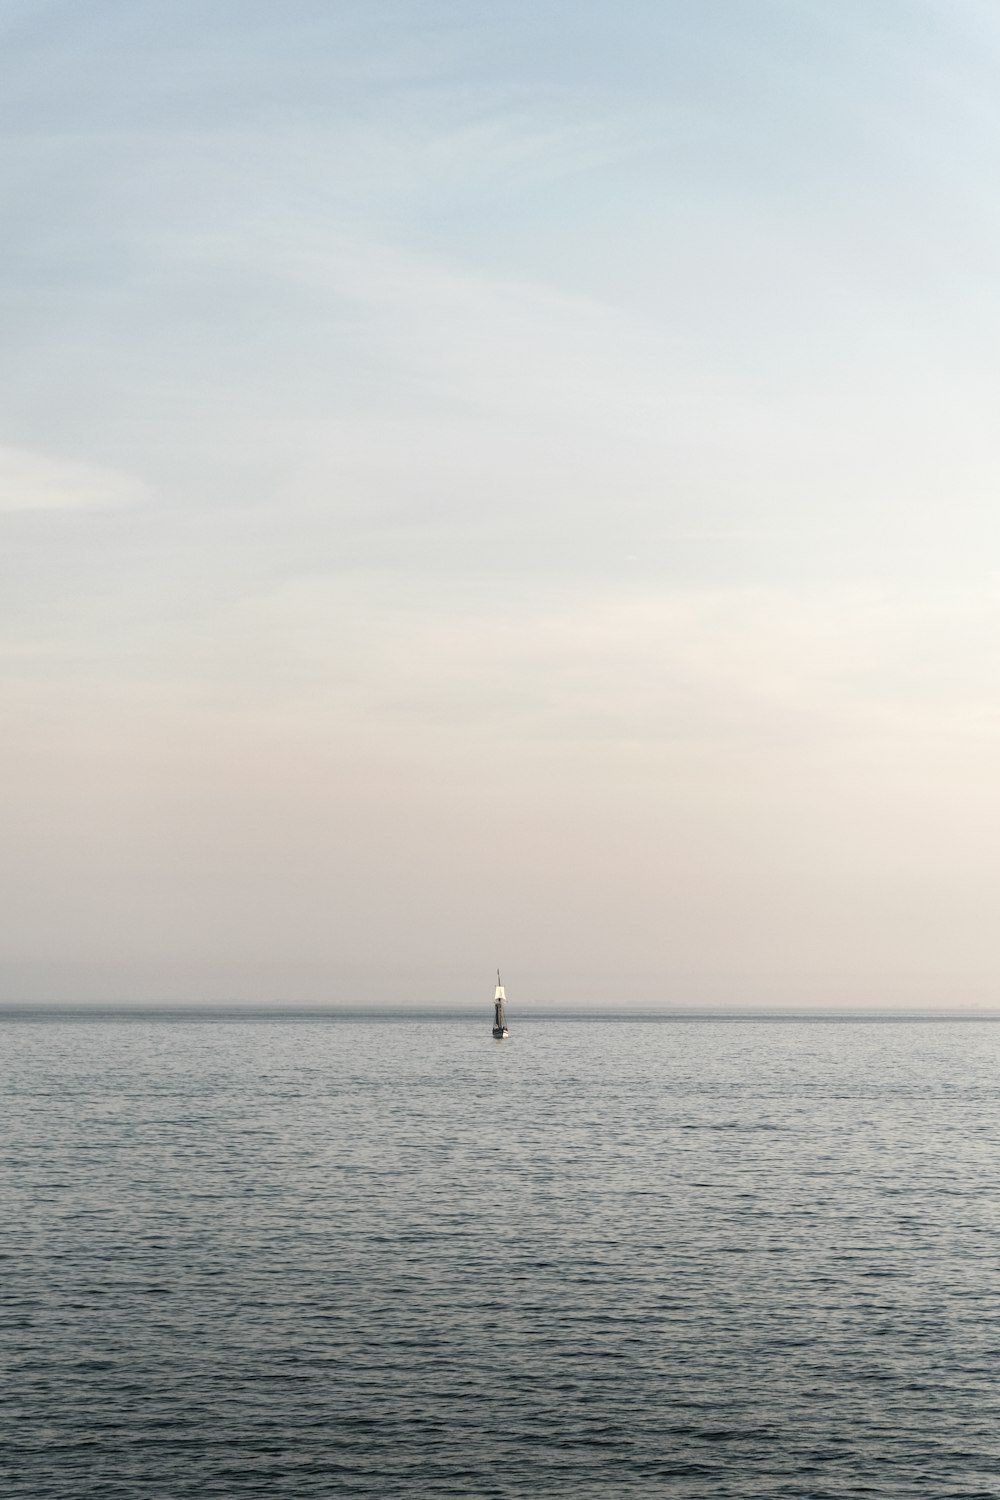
{"points": [[499, 1019]]}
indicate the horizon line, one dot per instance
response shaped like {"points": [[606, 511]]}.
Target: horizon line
{"points": [[278, 1010]]}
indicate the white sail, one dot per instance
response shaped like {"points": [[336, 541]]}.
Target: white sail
{"points": [[499, 1019]]}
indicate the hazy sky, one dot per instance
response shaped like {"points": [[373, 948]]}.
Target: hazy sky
{"points": [[500, 483]]}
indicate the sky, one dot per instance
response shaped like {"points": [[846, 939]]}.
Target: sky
{"points": [[500, 484]]}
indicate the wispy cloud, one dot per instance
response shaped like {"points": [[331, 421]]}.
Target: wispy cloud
{"points": [[35, 481], [887, 680]]}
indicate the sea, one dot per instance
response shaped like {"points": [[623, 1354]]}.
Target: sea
{"points": [[325, 1256]]}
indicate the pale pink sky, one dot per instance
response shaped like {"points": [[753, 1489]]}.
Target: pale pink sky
{"points": [[500, 485]]}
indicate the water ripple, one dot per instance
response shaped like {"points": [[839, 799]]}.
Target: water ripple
{"points": [[338, 1258]]}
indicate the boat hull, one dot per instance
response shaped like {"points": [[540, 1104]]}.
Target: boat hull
{"points": [[500, 1033]]}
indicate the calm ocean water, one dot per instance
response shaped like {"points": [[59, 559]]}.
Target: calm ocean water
{"points": [[333, 1258]]}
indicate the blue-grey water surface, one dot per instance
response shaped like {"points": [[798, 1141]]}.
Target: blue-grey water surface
{"points": [[337, 1258]]}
